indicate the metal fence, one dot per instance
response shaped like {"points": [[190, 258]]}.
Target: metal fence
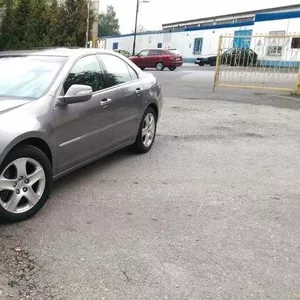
{"points": [[259, 62]]}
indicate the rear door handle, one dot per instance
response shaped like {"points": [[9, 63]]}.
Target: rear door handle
{"points": [[105, 102], [138, 91]]}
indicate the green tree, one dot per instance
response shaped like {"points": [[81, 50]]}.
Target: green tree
{"points": [[17, 20], [108, 23], [37, 25], [75, 22], [43, 23]]}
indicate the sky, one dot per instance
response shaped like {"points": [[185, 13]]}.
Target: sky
{"points": [[152, 15]]}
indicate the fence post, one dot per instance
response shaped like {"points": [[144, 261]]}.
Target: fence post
{"points": [[218, 62], [298, 82]]}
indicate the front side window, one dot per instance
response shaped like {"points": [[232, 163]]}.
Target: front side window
{"points": [[116, 71], [86, 71], [28, 76]]}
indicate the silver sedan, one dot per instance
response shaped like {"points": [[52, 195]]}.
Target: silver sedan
{"points": [[61, 109]]}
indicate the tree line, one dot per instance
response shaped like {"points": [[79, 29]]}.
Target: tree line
{"points": [[27, 24], [43, 23]]}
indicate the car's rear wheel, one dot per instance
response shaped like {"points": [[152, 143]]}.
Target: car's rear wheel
{"points": [[147, 132], [160, 66], [172, 68], [142, 68], [25, 183]]}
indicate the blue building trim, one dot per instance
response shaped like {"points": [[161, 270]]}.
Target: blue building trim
{"points": [[278, 63], [261, 63], [277, 16], [230, 25], [258, 18]]}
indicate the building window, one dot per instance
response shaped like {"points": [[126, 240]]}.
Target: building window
{"points": [[225, 22], [295, 43], [274, 50], [242, 20], [198, 42], [115, 46], [277, 32], [159, 45]]}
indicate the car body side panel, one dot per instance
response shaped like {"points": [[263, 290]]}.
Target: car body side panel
{"points": [[37, 120]]}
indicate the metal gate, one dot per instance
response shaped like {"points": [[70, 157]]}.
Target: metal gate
{"points": [[259, 62]]}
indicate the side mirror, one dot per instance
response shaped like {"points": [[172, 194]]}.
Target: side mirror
{"points": [[77, 93]]}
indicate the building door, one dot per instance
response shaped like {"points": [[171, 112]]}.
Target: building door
{"points": [[242, 39]]}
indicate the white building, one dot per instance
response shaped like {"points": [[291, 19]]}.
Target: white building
{"points": [[195, 37]]}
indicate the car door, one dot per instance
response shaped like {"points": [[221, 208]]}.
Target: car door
{"points": [[127, 98], [153, 57], [143, 59], [85, 129]]}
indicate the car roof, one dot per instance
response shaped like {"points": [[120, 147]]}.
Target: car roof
{"points": [[64, 52], [148, 49]]}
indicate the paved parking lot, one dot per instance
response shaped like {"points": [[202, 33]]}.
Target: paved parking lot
{"points": [[212, 212]]}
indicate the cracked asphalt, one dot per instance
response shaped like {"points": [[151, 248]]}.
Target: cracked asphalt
{"points": [[212, 212]]}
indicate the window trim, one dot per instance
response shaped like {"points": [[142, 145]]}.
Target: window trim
{"points": [[98, 56], [201, 43]]}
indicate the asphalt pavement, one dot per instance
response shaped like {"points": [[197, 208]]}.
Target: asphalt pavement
{"points": [[212, 212]]}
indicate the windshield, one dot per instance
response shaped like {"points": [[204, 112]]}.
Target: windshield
{"points": [[27, 76]]}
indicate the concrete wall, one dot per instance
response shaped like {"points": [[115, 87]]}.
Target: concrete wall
{"points": [[183, 40]]}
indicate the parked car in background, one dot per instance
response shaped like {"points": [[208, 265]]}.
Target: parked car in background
{"points": [[157, 58], [239, 57], [209, 59], [232, 57], [61, 109], [123, 52]]}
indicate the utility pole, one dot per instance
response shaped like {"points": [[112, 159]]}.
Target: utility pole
{"points": [[94, 11], [87, 24], [136, 22], [92, 29], [135, 27]]}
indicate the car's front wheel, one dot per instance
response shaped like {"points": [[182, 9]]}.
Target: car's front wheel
{"points": [[25, 183], [147, 132]]}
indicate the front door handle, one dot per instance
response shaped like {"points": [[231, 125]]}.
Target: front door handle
{"points": [[105, 102], [138, 91]]}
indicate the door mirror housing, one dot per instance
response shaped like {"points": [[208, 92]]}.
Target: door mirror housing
{"points": [[77, 93]]}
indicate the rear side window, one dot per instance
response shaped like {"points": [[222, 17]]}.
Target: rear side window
{"points": [[116, 71], [155, 52]]}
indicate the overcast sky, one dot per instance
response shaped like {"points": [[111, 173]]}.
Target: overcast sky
{"points": [[154, 14]]}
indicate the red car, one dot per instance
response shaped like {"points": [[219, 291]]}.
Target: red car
{"points": [[158, 58]]}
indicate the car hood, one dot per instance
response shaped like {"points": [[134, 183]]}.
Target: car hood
{"points": [[7, 105]]}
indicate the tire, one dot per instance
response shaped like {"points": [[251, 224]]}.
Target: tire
{"points": [[140, 146], [201, 64], [37, 190], [142, 69], [172, 68], [160, 66]]}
